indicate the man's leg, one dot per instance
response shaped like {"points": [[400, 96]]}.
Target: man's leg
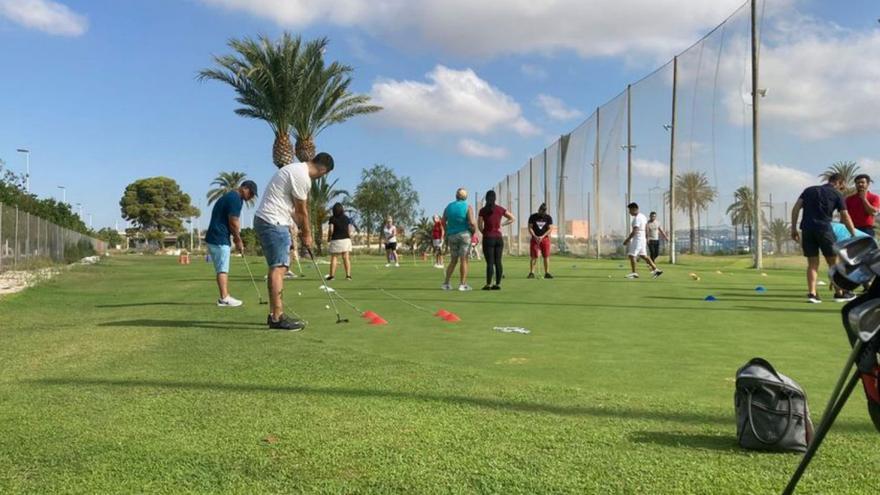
{"points": [[276, 286], [546, 263], [812, 273], [831, 260], [532, 263], [223, 285], [649, 261], [450, 268], [465, 262]]}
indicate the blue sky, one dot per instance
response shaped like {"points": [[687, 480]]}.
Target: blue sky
{"points": [[104, 92]]}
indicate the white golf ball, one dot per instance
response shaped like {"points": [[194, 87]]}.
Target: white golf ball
{"points": [[299, 293], [326, 306]]}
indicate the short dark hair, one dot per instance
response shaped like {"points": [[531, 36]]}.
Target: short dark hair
{"points": [[543, 207], [632, 205], [653, 213], [323, 160], [863, 176], [835, 177], [338, 210]]}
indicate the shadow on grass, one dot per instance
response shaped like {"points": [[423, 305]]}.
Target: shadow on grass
{"points": [[147, 323], [169, 303], [723, 443]]}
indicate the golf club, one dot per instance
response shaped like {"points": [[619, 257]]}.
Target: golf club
{"points": [[253, 281], [339, 318]]}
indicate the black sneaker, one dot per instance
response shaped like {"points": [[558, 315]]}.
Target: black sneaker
{"points": [[845, 296], [656, 273], [348, 277], [329, 277], [286, 323], [813, 298], [496, 287], [531, 275], [547, 275], [487, 287]]}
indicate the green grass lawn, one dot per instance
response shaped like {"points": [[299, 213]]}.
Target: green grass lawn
{"points": [[125, 377]]}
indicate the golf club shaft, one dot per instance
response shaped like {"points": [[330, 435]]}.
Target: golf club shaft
{"points": [[346, 301], [856, 350], [253, 281], [324, 283], [827, 420], [405, 301]]}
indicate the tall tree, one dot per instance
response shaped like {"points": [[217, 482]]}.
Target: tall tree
{"points": [[324, 99], [742, 211], [423, 234], [267, 77], [779, 231], [225, 182], [381, 193], [321, 198], [693, 194], [157, 206], [848, 169]]}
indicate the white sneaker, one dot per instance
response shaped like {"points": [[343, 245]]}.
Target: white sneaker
{"points": [[633, 275], [464, 288], [290, 275], [397, 265], [446, 287], [229, 302], [387, 265]]}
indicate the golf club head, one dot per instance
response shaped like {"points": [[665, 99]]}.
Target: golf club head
{"points": [[855, 250], [850, 277], [341, 320], [864, 319]]}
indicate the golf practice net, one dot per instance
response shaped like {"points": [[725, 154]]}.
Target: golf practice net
{"points": [[682, 142]]}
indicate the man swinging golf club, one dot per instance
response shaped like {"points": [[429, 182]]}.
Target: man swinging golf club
{"points": [[225, 222], [637, 243], [287, 191]]}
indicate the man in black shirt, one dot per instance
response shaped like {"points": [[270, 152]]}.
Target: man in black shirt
{"points": [[819, 203], [539, 228]]}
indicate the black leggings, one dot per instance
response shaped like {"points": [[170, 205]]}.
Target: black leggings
{"points": [[493, 249]]}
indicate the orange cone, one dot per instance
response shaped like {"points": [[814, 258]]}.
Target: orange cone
{"points": [[451, 317], [369, 315], [378, 320], [442, 313]]}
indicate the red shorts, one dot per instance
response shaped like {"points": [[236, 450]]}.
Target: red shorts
{"points": [[541, 247]]}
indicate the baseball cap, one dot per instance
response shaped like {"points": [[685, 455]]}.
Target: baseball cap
{"points": [[250, 185]]}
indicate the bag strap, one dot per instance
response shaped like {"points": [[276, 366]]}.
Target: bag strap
{"points": [[787, 426], [766, 364]]}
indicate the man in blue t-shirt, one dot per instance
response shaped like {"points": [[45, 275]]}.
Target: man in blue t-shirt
{"points": [[458, 217], [817, 234], [225, 223]]}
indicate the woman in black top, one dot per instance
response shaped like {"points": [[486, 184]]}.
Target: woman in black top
{"points": [[340, 241]]}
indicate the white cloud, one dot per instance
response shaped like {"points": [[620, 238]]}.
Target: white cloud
{"points": [[784, 183], [535, 72], [451, 101], [650, 168], [495, 27], [556, 108], [470, 147], [870, 166], [44, 15]]}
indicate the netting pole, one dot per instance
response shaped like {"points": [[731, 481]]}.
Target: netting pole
{"points": [[509, 227], [15, 245], [596, 195], [531, 186], [672, 125], [560, 190], [629, 145], [2, 247], [546, 174], [756, 141]]}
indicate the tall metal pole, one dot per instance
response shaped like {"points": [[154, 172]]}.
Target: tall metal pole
{"points": [[547, 181], [672, 126], [27, 168], [756, 140], [596, 195], [629, 145], [531, 187], [509, 227], [560, 190]]}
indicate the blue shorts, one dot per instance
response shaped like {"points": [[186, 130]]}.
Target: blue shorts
{"points": [[275, 240], [220, 256]]}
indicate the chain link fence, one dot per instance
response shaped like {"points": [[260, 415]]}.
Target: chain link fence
{"points": [[28, 242]]}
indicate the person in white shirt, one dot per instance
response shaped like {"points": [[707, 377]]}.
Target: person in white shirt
{"points": [[655, 232], [389, 233], [637, 243], [287, 191]]}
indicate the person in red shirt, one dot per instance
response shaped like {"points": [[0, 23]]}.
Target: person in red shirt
{"points": [[490, 225], [863, 205], [437, 235]]}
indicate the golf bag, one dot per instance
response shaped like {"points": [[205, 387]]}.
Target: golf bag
{"points": [[771, 410], [868, 362]]}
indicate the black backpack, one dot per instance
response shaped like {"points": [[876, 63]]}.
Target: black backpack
{"points": [[771, 410]]}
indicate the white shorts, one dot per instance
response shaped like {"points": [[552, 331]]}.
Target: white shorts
{"points": [[637, 247], [438, 243], [340, 246]]}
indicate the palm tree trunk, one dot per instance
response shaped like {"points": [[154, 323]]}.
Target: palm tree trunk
{"points": [[735, 239], [693, 233], [750, 237], [282, 149], [305, 148]]}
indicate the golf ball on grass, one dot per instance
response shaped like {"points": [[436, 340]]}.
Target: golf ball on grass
{"points": [[326, 306]]}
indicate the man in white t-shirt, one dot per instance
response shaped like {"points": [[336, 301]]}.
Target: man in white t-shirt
{"points": [[637, 243], [287, 191], [655, 232]]}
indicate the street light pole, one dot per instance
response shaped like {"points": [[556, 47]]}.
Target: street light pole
{"points": [[63, 194], [27, 168]]}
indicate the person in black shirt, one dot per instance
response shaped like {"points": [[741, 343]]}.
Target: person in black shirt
{"points": [[539, 228], [819, 204], [339, 238]]}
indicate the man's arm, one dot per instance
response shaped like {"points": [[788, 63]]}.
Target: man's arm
{"points": [[235, 230], [844, 216], [795, 213], [301, 217], [549, 224], [662, 233], [470, 217], [869, 208], [634, 231]]}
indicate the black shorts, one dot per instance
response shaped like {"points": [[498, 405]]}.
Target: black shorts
{"points": [[814, 241], [867, 229], [390, 246]]}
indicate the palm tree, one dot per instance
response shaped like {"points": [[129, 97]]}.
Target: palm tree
{"points": [[779, 231], [423, 234], [692, 195], [321, 195], [225, 182], [742, 210], [323, 100], [846, 168], [267, 77]]}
